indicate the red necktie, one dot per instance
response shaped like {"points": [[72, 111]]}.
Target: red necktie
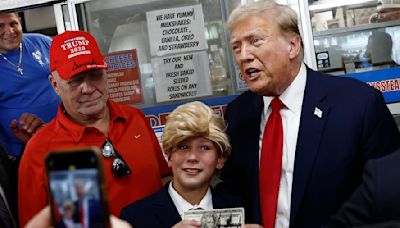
{"points": [[82, 214], [271, 164]]}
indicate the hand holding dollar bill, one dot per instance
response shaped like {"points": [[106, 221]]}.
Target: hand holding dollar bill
{"points": [[217, 218]]}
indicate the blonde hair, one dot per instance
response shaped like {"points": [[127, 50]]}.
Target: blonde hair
{"points": [[195, 119], [68, 205], [283, 15]]}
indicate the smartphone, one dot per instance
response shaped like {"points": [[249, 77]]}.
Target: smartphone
{"points": [[77, 188]]}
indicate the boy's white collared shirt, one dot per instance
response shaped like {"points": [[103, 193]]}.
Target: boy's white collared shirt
{"points": [[182, 205]]}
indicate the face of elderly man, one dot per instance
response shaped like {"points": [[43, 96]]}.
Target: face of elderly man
{"points": [[264, 54], [84, 96]]}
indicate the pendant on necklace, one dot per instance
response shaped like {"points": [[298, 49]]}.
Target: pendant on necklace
{"points": [[19, 69]]}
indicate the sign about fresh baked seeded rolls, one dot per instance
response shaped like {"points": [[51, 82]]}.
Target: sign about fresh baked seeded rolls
{"points": [[181, 76], [123, 77], [176, 30]]}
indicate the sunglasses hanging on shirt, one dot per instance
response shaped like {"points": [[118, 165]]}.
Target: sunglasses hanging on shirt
{"points": [[119, 166]]}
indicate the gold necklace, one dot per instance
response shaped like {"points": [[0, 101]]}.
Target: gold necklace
{"points": [[19, 68]]}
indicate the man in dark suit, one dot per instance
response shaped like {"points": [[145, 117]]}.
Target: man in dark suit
{"points": [[88, 210], [377, 199], [196, 145], [329, 126]]}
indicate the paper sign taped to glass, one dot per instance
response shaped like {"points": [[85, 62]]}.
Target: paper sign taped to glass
{"points": [[123, 77], [217, 218]]}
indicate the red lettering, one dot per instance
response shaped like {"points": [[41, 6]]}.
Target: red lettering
{"points": [[223, 110], [153, 120], [391, 85], [378, 86], [217, 110], [163, 117]]}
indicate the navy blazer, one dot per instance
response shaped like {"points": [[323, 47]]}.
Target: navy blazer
{"points": [[158, 210], [96, 213], [331, 151], [377, 200]]}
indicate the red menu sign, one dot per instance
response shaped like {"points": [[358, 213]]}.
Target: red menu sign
{"points": [[123, 77]]}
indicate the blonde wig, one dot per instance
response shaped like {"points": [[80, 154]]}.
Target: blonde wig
{"points": [[195, 119]]}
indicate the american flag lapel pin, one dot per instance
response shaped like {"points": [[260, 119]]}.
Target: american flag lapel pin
{"points": [[318, 112]]}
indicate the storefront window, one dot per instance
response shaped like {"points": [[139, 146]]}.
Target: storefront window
{"points": [[359, 39], [179, 46], [355, 37], [32, 21]]}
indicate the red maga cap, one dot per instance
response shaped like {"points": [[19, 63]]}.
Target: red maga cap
{"points": [[73, 52]]}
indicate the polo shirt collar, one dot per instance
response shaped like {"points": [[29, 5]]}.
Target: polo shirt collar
{"points": [[76, 131]]}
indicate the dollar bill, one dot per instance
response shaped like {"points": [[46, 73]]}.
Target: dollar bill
{"points": [[217, 218]]}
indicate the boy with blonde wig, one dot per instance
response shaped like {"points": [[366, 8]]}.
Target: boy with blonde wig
{"points": [[195, 119], [195, 142]]}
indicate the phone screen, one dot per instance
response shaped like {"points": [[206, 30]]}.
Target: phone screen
{"points": [[75, 186]]}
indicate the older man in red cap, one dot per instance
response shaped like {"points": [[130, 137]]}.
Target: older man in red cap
{"points": [[87, 117]]}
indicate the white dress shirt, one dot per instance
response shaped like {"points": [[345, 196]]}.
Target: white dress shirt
{"points": [[292, 98], [69, 223], [182, 205]]}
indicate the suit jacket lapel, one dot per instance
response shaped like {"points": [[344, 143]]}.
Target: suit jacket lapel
{"points": [[245, 137], [314, 113], [165, 209], [255, 113]]}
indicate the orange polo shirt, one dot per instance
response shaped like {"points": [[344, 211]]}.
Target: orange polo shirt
{"points": [[131, 135]]}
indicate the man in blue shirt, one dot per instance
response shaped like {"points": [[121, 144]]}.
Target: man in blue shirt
{"points": [[24, 87]]}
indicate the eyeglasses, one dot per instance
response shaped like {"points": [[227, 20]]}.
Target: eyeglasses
{"points": [[119, 166]]}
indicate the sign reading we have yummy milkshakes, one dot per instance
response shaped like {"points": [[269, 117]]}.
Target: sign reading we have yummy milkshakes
{"points": [[179, 53]]}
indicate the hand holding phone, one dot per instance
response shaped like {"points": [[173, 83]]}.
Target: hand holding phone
{"points": [[77, 188]]}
